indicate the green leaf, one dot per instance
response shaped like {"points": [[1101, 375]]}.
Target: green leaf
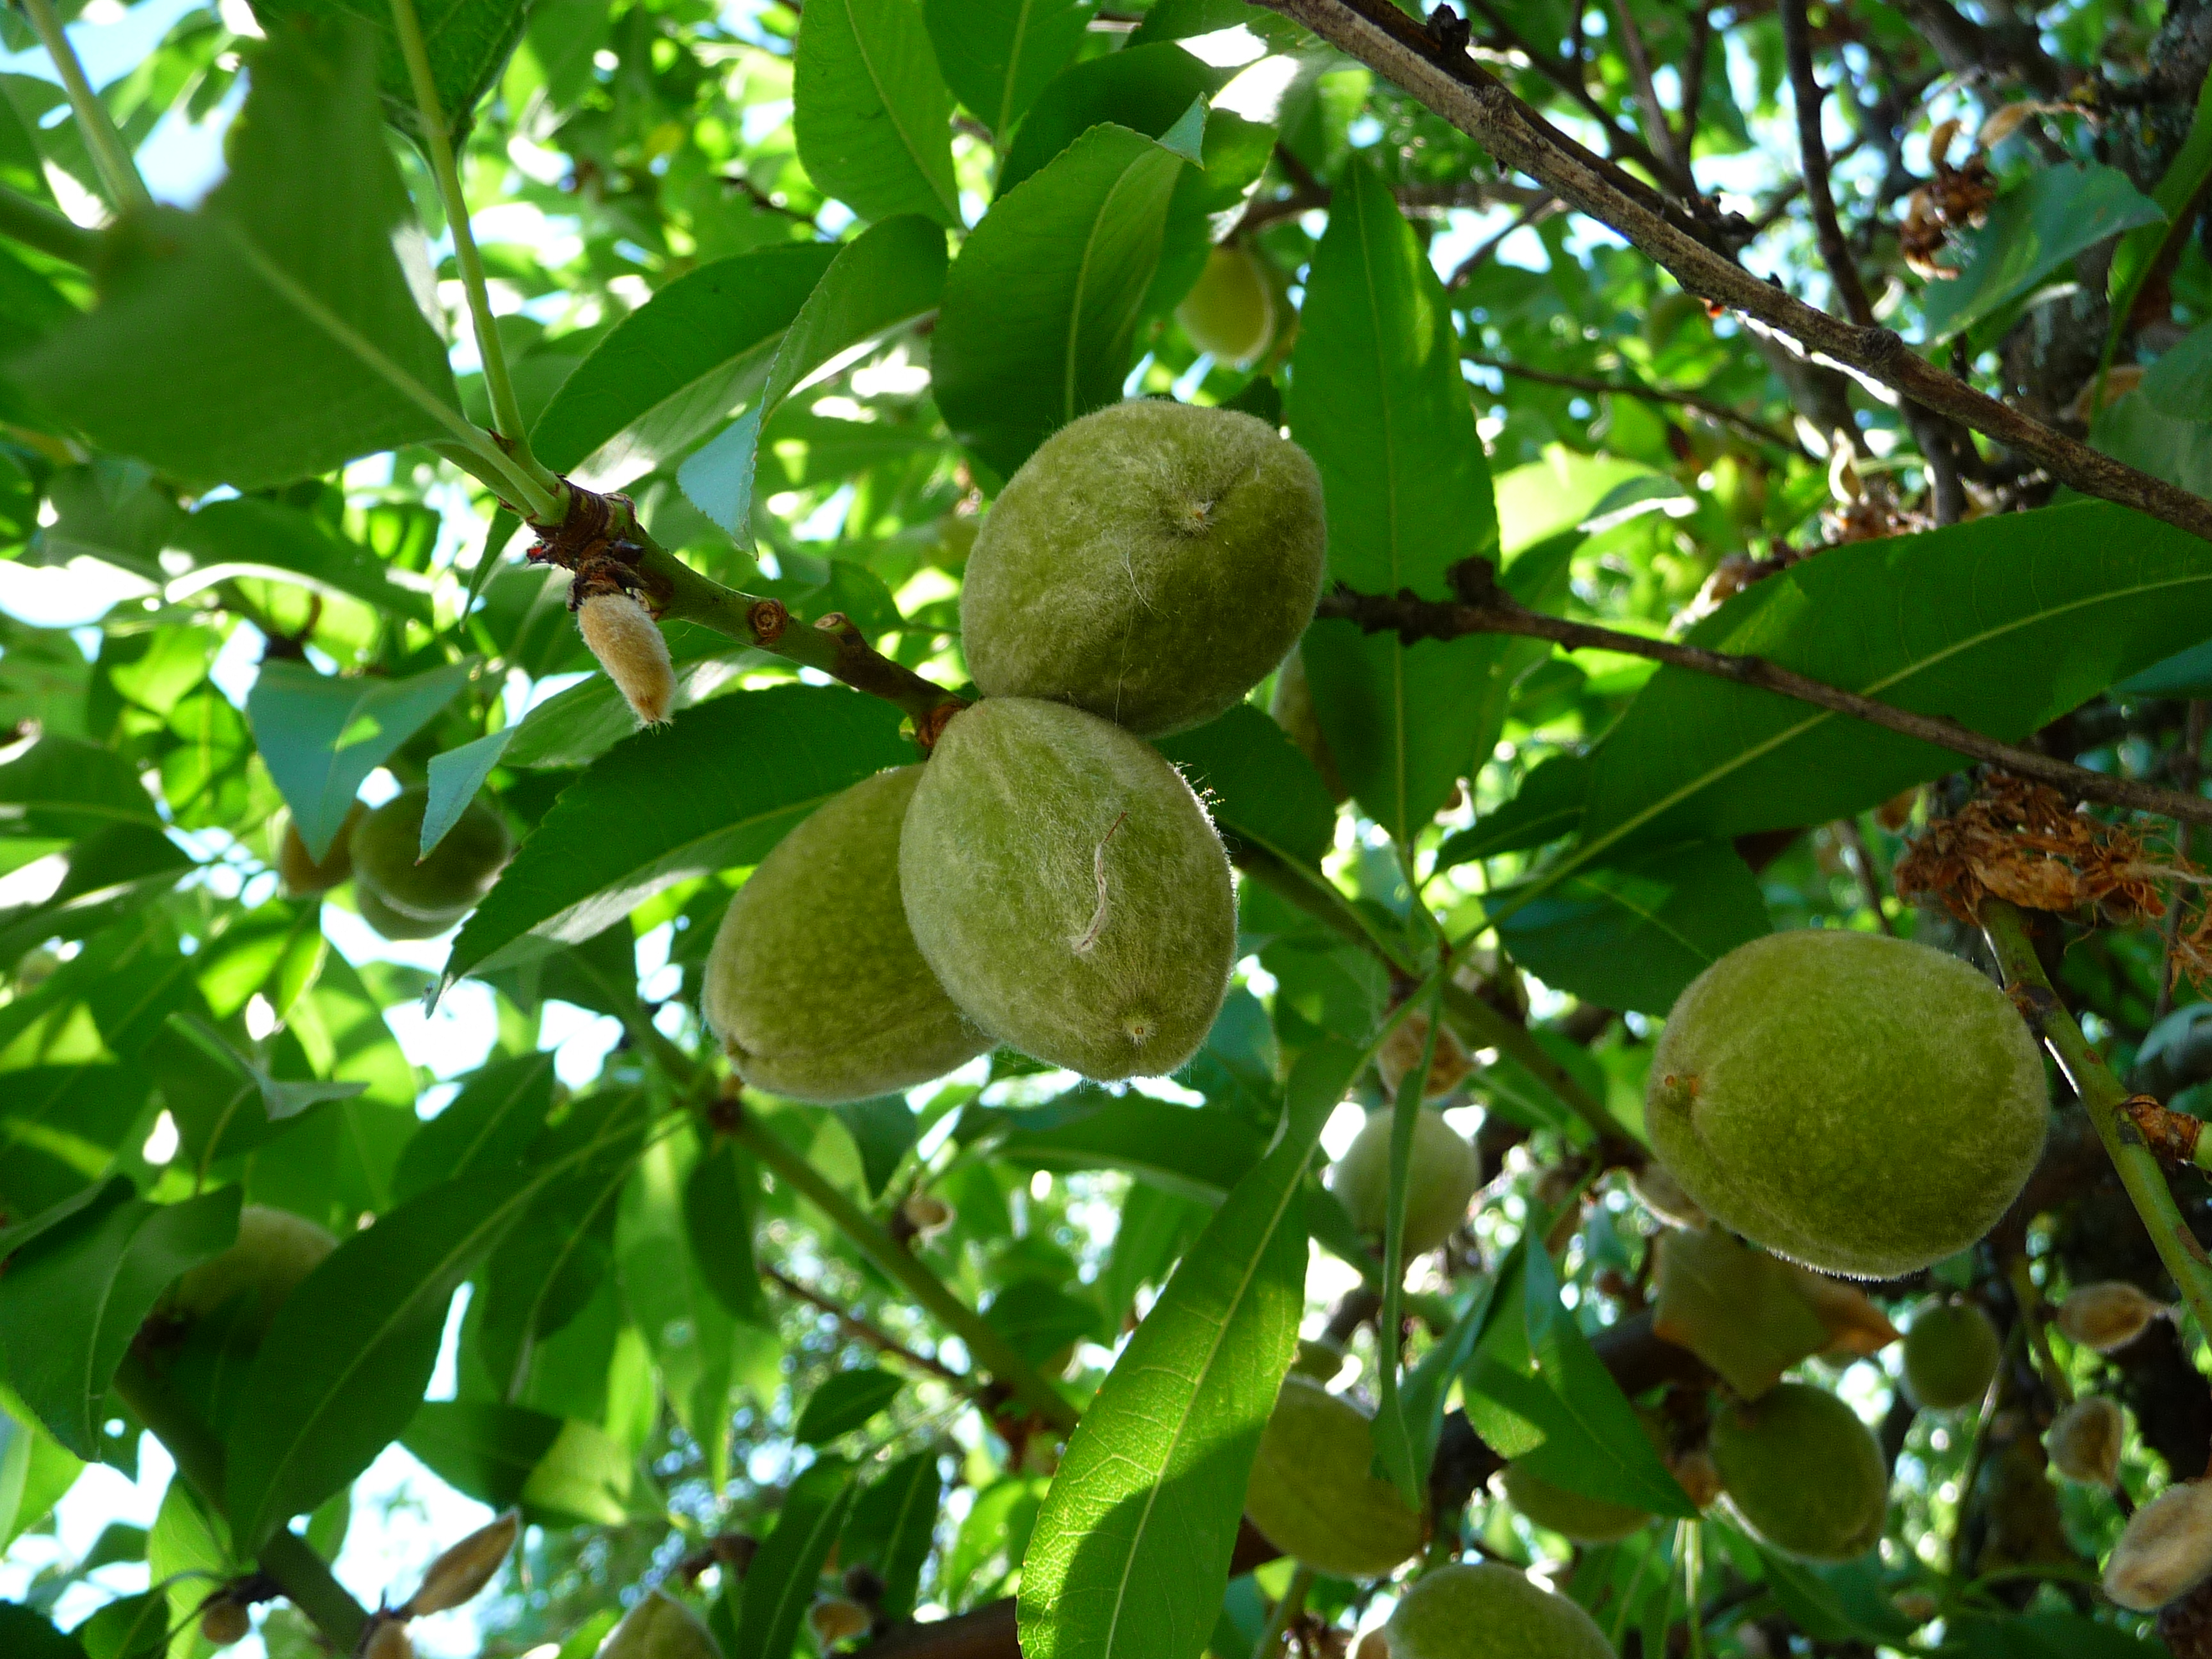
{"points": [[455, 777], [2041, 1636], [720, 1197], [999, 54], [60, 788], [1548, 806], [690, 1333], [130, 1627], [25, 1635], [872, 115], [1377, 400], [71, 1300], [882, 1131], [247, 537], [1040, 312], [342, 1370], [321, 735], [1194, 1152], [884, 278], [270, 336], [2065, 601], [718, 786], [778, 1587], [487, 1126], [511, 1456], [894, 1523], [673, 369], [467, 41], [1632, 935], [1131, 1551], [1144, 88], [2138, 253], [845, 1401], [1258, 784], [574, 727], [2033, 230]]}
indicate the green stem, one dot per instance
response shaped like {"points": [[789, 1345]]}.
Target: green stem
{"points": [[1285, 1612], [990, 1350], [303, 1575], [506, 412], [36, 224], [110, 155], [2101, 1094]]}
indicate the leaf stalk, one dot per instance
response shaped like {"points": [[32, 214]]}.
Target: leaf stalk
{"points": [[36, 224], [111, 156], [2104, 1098]]}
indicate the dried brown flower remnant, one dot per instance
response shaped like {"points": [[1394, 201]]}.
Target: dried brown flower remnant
{"points": [[456, 1576], [1739, 571], [2106, 1316], [1954, 199], [2021, 841]]}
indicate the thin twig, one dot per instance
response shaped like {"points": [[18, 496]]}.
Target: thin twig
{"points": [[2187, 768], [853, 1325], [1813, 151], [1534, 214], [1720, 412], [1495, 612], [36, 224], [1456, 88], [1861, 860], [2102, 1097]]}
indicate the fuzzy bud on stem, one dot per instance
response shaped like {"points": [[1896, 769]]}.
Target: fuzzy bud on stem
{"points": [[225, 1622], [621, 633], [387, 1639], [456, 1576], [2166, 1548], [2085, 1441], [2106, 1316]]}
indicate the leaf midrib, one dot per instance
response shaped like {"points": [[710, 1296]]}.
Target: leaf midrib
{"points": [[898, 124]]}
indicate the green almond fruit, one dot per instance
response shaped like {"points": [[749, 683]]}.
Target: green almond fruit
{"points": [[1068, 890], [1952, 1352], [1571, 1515], [274, 1250], [1801, 1472], [1292, 705], [1857, 1103], [659, 1627], [1312, 1493], [388, 847], [1489, 1611], [1441, 1179], [815, 985], [1229, 312], [1151, 563], [398, 925], [300, 872]]}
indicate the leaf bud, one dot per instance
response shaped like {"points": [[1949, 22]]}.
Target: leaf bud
{"points": [[2085, 1441], [2105, 1317], [833, 1619], [2166, 1548], [387, 1639], [224, 1622], [621, 633], [456, 1576]]}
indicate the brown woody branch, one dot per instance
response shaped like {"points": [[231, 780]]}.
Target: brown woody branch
{"points": [[853, 1325], [1750, 426], [1482, 608], [1453, 85]]}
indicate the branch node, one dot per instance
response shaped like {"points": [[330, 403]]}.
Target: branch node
{"points": [[768, 619]]}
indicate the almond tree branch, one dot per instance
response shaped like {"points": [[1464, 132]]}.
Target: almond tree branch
{"points": [[853, 1325], [36, 224], [1806, 95], [1453, 85], [1483, 609], [126, 191], [2103, 1098]]}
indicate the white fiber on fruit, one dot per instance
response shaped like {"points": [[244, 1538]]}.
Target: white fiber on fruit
{"points": [[622, 635]]}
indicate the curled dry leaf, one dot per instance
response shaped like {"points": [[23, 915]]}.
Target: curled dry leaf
{"points": [[1401, 1053], [2106, 1316], [459, 1575], [2166, 1548], [1856, 1327], [621, 633]]}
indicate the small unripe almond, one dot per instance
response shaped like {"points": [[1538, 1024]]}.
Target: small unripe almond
{"points": [[456, 1576], [835, 1620], [928, 1214], [621, 633], [1440, 1180], [659, 1627], [2166, 1548], [302, 874], [2107, 1316], [2085, 1441], [225, 1622], [1952, 1353]]}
